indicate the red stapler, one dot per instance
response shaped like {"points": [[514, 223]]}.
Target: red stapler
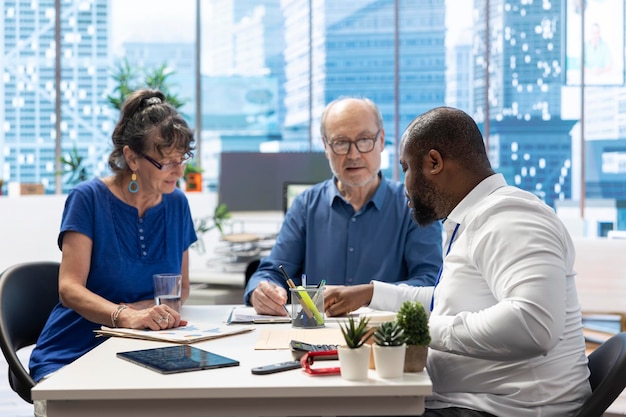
{"points": [[309, 359]]}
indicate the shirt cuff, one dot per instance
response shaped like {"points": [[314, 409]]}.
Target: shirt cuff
{"points": [[384, 296]]}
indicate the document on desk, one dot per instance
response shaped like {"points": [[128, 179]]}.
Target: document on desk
{"points": [[375, 316], [244, 314], [272, 338], [186, 334]]}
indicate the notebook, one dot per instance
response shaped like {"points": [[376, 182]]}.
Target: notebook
{"points": [[175, 359], [243, 314]]}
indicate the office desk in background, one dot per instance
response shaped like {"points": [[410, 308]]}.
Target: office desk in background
{"points": [[100, 384]]}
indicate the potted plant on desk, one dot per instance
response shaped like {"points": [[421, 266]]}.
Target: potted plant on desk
{"points": [[193, 177], [354, 356], [389, 350], [413, 320]]}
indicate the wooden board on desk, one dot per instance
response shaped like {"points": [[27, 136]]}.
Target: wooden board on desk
{"points": [[275, 338], [241, 237]]}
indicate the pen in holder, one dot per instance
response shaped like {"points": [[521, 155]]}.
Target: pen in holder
{"points": [[305, 312]]}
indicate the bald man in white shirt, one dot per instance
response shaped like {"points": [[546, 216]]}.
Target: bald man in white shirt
{"points": [[505, 319]]}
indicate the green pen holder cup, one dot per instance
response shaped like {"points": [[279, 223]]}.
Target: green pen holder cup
{"points": [[307, 307]]}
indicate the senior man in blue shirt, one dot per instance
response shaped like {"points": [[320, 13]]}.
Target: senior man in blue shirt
{"points": [[353, 228]]}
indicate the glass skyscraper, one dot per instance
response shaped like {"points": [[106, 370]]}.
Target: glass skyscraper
{"points": [[528, 141], [353, 53], [27, 91]]}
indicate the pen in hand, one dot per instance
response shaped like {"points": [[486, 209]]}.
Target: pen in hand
{"points": [[283, 305], [298, 294], [287, 311], [289, 281]]}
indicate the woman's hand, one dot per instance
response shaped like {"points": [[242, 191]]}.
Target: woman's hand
{"points": [[154, 318]]}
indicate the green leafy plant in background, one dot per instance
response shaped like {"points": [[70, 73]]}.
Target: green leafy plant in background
{"points": [[202, 225], [192, 168], [73, 167], [128, 79]]}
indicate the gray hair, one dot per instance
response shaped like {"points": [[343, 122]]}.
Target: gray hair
{"points": [[373, 107], [144, 112]]}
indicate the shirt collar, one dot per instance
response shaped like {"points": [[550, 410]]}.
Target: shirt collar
{"points": [[483, 189], [378, 199]]}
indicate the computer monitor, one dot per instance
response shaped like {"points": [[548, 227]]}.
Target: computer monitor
{"points": [[253, 181], [291, 191]]}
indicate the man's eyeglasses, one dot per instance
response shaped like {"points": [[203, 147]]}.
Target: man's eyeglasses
{"points": [[363, 145], [170, 165]]}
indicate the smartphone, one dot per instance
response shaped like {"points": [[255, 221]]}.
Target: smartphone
{"points": [[298, 349], [276, 367]]}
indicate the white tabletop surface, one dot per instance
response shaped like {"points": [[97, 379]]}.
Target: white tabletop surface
{"points": [[100, 384]]}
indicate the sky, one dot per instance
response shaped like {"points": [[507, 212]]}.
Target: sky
{"points": [[458, 18], [144, 20]]}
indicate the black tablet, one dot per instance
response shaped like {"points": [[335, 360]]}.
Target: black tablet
{"points": [[174, 359]]}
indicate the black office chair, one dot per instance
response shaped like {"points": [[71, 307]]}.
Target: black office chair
{"points": [[251, 269], [608, 376], [28, 293]]}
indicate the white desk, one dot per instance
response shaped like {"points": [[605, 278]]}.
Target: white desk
{"points": [[100, 384]]}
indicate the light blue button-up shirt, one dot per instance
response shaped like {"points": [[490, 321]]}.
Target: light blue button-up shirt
{"points": [[323, 237]]}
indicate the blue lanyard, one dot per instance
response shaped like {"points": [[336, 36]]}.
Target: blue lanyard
{"points": [[432, 300]]}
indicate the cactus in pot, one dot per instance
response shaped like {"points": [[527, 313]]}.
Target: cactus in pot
{"points": [[389, 333], [389, 350], [354, 356], [413, 320], [355, 334]]}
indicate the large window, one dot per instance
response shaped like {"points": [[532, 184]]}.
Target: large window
{"points": [[263, 70]]}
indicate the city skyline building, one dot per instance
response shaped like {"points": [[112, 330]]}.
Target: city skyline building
{"points": [[353, 54], [528, 142], [460, 73], [27, 93], [179, 60], [245, 38], [606, 167], [264, 89]]}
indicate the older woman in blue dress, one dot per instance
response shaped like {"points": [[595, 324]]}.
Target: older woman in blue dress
{"points": [[116, 232]]}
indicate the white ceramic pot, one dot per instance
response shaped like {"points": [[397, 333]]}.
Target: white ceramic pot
{"points": [[389, 360], [354, 363]]}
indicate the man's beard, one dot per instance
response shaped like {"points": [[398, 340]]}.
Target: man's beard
{"points": [[424, 202], [346, 181], [423, 214]]}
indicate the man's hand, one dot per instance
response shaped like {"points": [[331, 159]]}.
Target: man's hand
{"points": [[269, 299], [340, 300]]}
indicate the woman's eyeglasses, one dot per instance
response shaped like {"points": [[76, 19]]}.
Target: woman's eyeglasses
{"points": [[168, 166]]}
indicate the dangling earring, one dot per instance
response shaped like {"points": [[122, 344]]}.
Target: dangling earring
{"points": [[133, 185]]}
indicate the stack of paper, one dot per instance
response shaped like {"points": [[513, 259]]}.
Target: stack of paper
{"points": [[376, 316], [186, 334]]}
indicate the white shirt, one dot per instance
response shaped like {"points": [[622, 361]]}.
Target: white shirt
{"points": [[506, 323]]}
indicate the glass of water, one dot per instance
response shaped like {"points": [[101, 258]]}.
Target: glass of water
{"points": [[167, 289]]}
